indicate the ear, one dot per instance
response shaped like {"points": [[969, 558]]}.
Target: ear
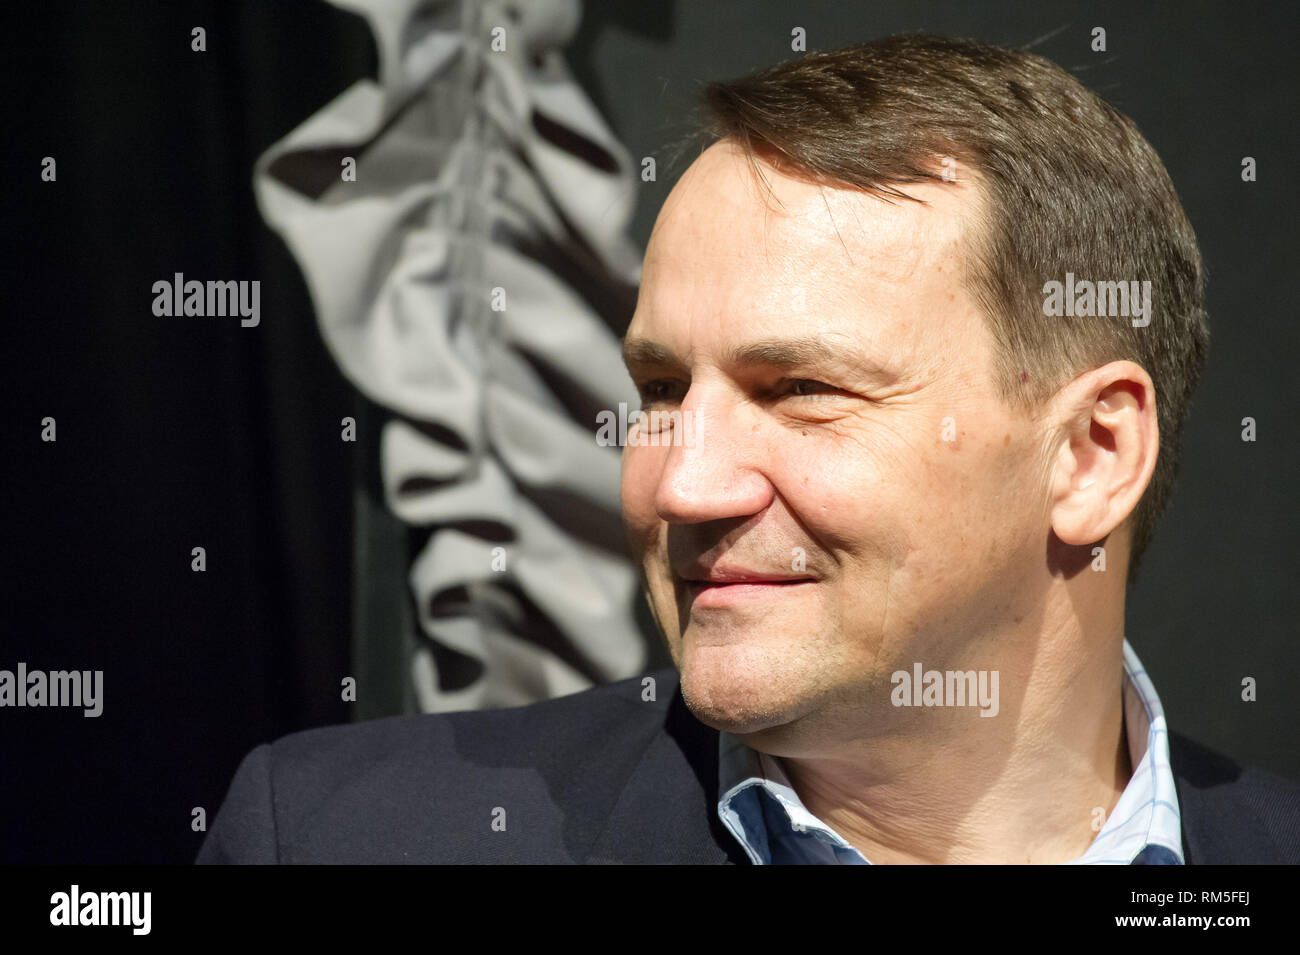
{"points": [[1109, 441]]}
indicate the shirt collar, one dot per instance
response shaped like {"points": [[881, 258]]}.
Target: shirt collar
{"points": [[759, 806]]}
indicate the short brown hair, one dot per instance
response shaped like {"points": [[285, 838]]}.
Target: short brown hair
{"points": [[1072, 187]]}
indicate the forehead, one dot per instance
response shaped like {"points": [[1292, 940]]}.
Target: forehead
{"points": [[728, 259]]}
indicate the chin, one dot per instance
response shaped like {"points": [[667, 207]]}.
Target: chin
{"points": [[739, 690]]}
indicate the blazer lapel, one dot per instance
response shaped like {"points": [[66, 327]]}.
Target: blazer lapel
{"points": [[668, 809]]}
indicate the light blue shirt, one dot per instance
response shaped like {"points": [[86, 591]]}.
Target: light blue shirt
{"points": [[762, 810]]}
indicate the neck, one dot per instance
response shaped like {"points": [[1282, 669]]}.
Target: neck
{"points": [[1031, 785]]}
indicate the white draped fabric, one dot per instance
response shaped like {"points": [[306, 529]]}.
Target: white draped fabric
{"points": [[470, 280]]}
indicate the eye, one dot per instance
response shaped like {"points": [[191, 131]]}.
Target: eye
{"points": [[661, 389], [803, 387]]}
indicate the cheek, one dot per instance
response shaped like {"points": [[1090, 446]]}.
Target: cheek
{"points": [[856, 484], [973, 506], [896, 492], [640, 476]]}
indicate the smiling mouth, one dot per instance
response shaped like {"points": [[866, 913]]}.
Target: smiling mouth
{"points": [[717, 593]]}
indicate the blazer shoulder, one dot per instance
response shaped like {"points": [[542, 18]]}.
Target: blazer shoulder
{"points": [[554, 727], [1233, 814], [327, 794]]}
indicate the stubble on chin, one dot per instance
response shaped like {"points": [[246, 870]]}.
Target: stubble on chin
{"points": [[741, 693]]}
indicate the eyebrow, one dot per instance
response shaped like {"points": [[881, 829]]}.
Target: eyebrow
{"points": [[785, 353], [773, 352], [642, 351]]}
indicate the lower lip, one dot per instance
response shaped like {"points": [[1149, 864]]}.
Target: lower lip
{"points": [[725, 595]]}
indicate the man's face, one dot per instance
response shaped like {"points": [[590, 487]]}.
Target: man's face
{"points": [[849, 451]]}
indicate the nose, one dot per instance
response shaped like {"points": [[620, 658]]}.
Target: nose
{"points": [[718, 474]]}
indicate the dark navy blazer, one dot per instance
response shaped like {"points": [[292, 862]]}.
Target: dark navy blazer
{"points": [[600, 776]]}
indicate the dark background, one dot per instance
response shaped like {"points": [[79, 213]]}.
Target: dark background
{"points": [[176, 434]]}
